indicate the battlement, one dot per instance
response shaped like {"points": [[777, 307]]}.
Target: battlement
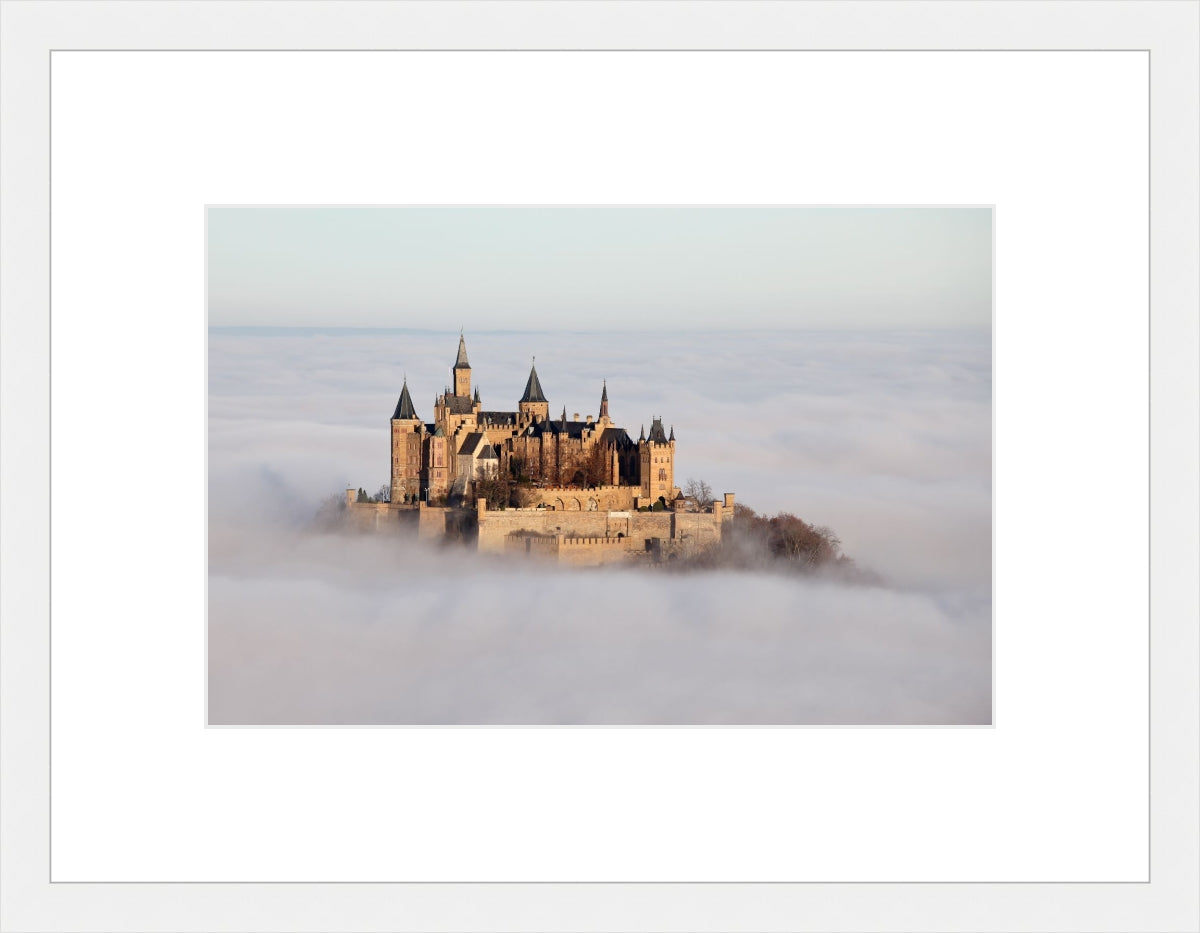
{"points": [[598, 542]]}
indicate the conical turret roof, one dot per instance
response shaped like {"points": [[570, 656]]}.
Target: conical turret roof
{"points": [[657, 434], [462, 362], [533, 388], [404, 407]]}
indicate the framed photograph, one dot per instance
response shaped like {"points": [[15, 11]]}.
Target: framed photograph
{"points": [[625, 466], [522, 565]]}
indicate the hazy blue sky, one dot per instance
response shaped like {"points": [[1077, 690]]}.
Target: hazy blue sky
{"points": [[600, 268]]}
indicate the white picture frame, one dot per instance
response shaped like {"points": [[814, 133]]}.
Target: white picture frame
{"points": [[1165, 898]]}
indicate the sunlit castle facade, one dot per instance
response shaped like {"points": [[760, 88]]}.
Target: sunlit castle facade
{"points": [[438, 462], [576, 491]]}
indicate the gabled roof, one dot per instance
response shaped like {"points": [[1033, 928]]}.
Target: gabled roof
{"points": [[498, 417], [488, 453], [617, 436], [404, 407], [657, 434], [461, 362], [474, 443], [533, 388]]}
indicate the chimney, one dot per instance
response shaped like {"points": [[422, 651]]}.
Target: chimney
{"points": [[576, 416]]}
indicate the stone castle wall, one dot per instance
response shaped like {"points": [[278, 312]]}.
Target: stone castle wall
{"points": [[611, 532], [574, 499], [579, 538]]}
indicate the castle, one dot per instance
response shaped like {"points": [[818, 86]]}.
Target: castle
{"points": [[580, 491]]}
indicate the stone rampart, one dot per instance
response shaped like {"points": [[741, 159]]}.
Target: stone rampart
{"points": [[628, 531], [577, 499]]}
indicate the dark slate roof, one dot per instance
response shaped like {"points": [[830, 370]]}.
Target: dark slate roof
{"points": [[475, 442], [498, 417], [657, 434], [461, 362], [476, 398], [533, 388], [488, 453], [459, 405], [616, 436], [604, 392], [559, 427], [404, 407], [429, 428]]}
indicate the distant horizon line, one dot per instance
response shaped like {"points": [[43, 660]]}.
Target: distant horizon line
{"points": [[374, 329]]}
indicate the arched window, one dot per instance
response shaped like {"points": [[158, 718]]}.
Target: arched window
{"points": [[662, 475]]}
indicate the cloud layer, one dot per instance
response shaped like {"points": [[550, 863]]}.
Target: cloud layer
{"points": [[884, 437]]}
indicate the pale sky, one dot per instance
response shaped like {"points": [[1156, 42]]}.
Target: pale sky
{"points": [[550, 268]]}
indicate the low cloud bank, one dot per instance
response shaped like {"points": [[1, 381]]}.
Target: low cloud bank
{"points": [[884, 438], [331, 628]]}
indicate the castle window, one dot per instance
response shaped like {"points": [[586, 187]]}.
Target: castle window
{"points": [[662, 475]]}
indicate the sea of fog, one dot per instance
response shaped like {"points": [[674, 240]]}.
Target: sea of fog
{"points": [[884, 437]]}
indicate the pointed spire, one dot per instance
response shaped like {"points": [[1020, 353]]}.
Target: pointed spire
{"points": [[564, 416], [404, 407], [672, 437], [533, 388], [604, 401], [642, 436], [461, 362], [477, 393], [604, 392]]}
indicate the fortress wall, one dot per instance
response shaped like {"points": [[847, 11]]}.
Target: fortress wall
{"points": [[591, 552], [607, 497], [651, 525], [366, 516], [699, 528], [495, 526], [532, 545], [431, 522]]}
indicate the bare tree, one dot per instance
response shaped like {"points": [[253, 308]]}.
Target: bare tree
{"points": [[597, 465], [699, 490], [384, 494]]}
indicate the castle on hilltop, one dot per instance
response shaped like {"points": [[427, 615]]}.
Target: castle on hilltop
{"points": [[558, 485]]}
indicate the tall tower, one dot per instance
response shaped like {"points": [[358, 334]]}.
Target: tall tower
{"points": [[407, 431], [533, 402], [656, 455], [604, 403], [462, 370]]}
